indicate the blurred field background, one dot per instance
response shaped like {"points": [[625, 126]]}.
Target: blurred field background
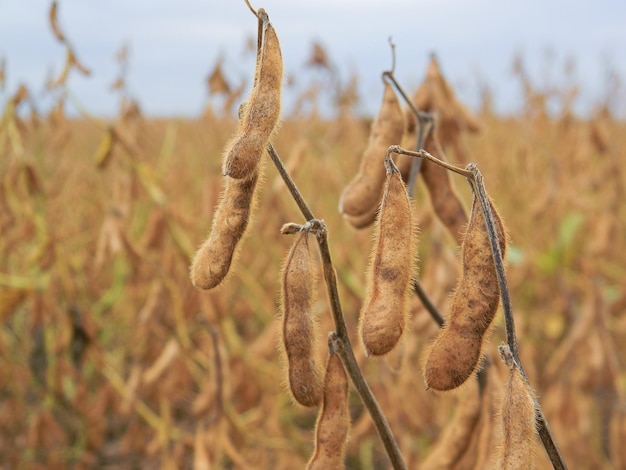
{"points": [[109, 358]]}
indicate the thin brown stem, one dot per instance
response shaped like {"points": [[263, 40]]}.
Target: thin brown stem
{"points": [[393, 56], [291, 186], [476, 182], [331, 284], [424, 154], [419, 114], [264, 20], [344, 348], [254, 12], [478, 187], [425, 124], [424, 128], [430, 307], [423, 120]]}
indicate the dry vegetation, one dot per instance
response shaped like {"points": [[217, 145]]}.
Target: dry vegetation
{"points": [[112, 359]]}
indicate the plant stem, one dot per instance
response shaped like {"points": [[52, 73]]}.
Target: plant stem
{"points": [[291, 186], [254, 12], [342, 347], [430, 307], [416, 164], [478, 187], [423, 120], [419, 114], [340, 337], [424, 154], [475, 179]]}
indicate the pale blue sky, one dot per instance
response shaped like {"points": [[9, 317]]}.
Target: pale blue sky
{"points": [[174, 44]]}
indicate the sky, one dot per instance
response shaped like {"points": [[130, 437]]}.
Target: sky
{"points": [[174, 45]]}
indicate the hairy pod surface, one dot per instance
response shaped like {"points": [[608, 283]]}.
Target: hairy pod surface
{"points": [[214, 257], [261, 112], [364, 191], [519, 427], [443, 197], [333, 421], [385, 307], [455, 352], [298, 332], [403, 162]]}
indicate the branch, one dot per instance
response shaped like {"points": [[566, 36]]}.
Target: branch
{"points": [[340, 337], [430, 307], [475, 179], [476, 182]]}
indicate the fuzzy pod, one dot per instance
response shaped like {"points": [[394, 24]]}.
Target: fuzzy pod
{"points": [[213, 259], [298, 325], [403, 162], [261, 113], [385, 307], [333, 421], [443, 197], [519, 425], [456, 351], [364, 191], [363, 221]]}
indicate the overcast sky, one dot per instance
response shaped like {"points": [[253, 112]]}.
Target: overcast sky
{"points": [[174, 44]]}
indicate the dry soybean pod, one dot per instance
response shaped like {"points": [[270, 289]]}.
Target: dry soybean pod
{"points": [[213, 259], [363, 192], [455, 352], [518, 414], [363, 221], [333, 421], [403, 162], [298, 326], [261, 112], [385, 308], [444, 199]]}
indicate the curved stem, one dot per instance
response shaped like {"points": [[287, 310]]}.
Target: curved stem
{"points": [[424, 154], [476, 182], [393, 57], [421, 115], [341, 339], [254, 12], [425, 127], [343, 348], [423, 120]]}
